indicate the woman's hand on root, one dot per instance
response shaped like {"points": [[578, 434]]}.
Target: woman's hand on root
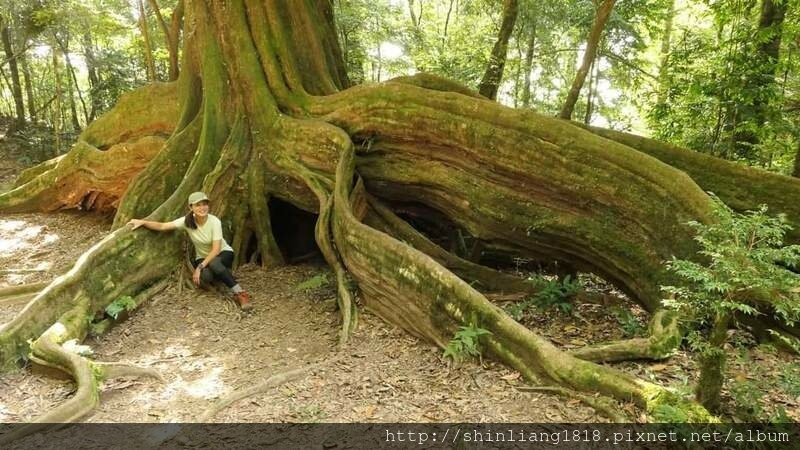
{"points": [[135, 223], [196, 276]]}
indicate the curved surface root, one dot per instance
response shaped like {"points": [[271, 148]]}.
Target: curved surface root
{"points": [[665, 336]]}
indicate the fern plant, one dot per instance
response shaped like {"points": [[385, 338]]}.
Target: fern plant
{"points": [[465, 343]]}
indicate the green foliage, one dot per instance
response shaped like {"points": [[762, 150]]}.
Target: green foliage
{"points": [[314, 282], [665, 413], [747, 397], [465, 343], [631, 326], [743, 257], [552, 293], [789, 379], [125, 303]]}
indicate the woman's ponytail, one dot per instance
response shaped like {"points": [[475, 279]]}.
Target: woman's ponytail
{"points": [[189, 221]]}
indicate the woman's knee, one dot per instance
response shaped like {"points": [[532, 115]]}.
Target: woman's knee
{"points": [[217, 267]]}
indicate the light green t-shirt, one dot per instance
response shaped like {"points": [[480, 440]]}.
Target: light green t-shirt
{"points": [[204, 235]]}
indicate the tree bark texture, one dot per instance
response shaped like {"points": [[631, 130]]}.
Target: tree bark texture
{"points": [[16, 85], [497, 61], [760, 82], [601, 17], [262, 109]]}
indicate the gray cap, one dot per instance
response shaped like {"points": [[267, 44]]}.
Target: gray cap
{"points": [[197, 197]]}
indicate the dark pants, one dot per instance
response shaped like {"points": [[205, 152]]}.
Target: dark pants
{"points": [[218, 269]]}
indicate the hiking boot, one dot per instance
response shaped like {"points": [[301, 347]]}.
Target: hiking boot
{"points": [[243, 298]]}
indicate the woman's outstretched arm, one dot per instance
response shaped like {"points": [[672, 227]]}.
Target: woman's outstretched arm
{"points": [[149, 224]]}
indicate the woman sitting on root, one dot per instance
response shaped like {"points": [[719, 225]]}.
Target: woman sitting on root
{"points": [[213, 256]]}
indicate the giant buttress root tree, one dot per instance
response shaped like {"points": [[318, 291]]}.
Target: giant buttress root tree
{"points": [[266, 112]]}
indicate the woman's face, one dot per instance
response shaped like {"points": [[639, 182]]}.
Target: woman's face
{"points": [[200, 209]]}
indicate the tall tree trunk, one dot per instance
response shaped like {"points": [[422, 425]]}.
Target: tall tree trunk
{"points": [[602, 13], [57, 118], [497, 61], [94, 79], [149, 63], [74, 88], [666, 48], [171, 34], [26, 73], [796, 171], [761, 81], [16, 86], [528, 66], [593, 74]]}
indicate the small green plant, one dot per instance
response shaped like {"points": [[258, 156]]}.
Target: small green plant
{"points": [[628, 321], [311, 413], [669, 414], [465, 343], [314, 282], [743, 259], [116, 307], [789, 379], [747, 397], [551, 293]]}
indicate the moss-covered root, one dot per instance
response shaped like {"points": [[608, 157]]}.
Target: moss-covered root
{"points": [[124, 263], [665, 336], [57, 348], [740, 187], [111, 150], [15, 295], [410, 289]]}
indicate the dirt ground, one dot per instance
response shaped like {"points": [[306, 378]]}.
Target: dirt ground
{"points": [[205, 348]]}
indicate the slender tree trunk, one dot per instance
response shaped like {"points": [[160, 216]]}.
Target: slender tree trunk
{"points": [[447, 21], [171, 34], [23, 60], [57, 113], [16, 86], [601, 17], [666, 47], [74, 88], [94, 79], [497, 61], [528, 67], [149, 64], [761, 81], [796, 171], [712, 365], [591, 94]]}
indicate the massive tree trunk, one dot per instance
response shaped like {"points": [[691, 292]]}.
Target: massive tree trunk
{"points": [[266, 112], [600, 18], [497, 61]]}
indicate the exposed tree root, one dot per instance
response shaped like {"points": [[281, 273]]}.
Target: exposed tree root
{"points": [[602, 405], [271, 382], [407, 287], [50, 350], [109, 153], [665, 337]]}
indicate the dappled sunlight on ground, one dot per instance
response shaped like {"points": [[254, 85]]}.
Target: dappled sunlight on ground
{"points": [[38, 247]]}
